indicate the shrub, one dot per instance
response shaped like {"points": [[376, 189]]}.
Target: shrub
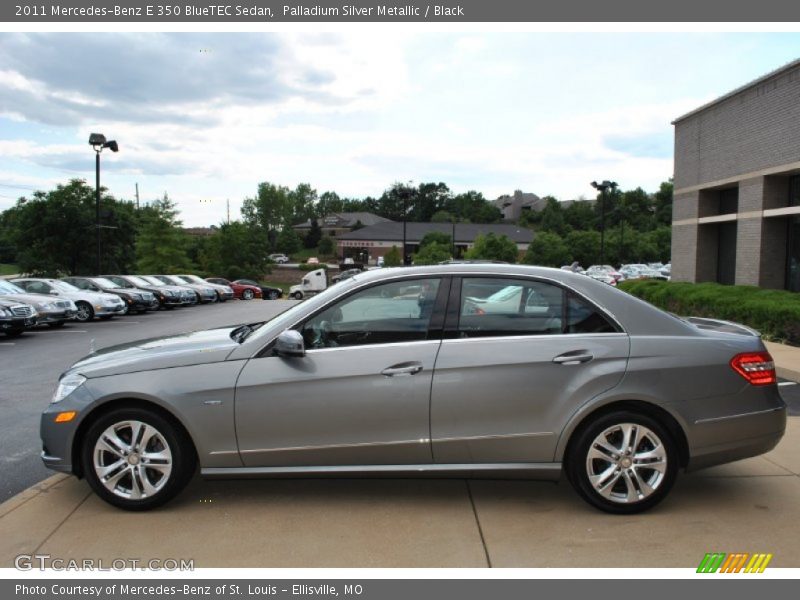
{"points": [[775, 313]]}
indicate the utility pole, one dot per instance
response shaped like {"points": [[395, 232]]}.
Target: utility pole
{"points": [[137, 195], [228, 205]]}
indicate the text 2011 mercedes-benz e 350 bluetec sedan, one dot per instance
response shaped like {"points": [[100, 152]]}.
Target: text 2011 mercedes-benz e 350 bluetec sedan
{"points": [[475, 370]]}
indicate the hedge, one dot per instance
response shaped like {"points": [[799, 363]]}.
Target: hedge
{"points": [[775, 313]]}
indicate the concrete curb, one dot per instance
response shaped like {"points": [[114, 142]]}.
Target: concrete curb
{"points": [[15, 502]]}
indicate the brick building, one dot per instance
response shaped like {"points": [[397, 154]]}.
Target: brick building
{"points": [[736, 209]]}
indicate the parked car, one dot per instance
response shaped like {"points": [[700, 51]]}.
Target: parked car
{"points": [[89, 304], [16, 317], [279, 258], [240, 291], [136, 300], [268, 292], [53, 312], [167, 296], [204, 292], [369, 378], [187, 295], [224, 292], [346, 274]]}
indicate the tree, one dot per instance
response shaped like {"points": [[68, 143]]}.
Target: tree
{"points": [[314, 234], [236, 251], [547, 250], [584, 246], [393, 257], [328, 203], [580, 215], [53, 233], [161, 246], [327, 246], [432, 253], [442, 216], [552, 217], [271, 209], [493, 247], [288, 241], [303, 200], [662, 204], [436, 237]]}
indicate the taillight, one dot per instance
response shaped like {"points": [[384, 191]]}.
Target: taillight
{"points": [[757, 368]]}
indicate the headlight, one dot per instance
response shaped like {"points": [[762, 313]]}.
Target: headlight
{"points": [[66, 386]]}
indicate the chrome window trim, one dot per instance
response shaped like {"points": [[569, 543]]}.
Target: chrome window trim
{"points": [[387, 345], [543, 336]]}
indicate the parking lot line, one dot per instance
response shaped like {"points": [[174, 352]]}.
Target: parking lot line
{"points": [[8, 343], [69, 331]]}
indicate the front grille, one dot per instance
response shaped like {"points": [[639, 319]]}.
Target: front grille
{"points": [[22, 311]]}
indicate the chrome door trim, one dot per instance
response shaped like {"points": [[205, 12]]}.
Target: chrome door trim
{"points": [[338, 446], [739, 416], [501, 436]]}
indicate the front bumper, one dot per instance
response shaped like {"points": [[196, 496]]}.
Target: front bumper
{"points": [[103, 310], [55, 316], [16, 323]]}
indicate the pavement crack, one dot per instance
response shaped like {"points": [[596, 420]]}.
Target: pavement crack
{"points": [[478, 523], [64, 520]]}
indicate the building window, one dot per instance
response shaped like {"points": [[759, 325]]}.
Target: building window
{"points": [[794, 191], [793, 255], [729, 201]]}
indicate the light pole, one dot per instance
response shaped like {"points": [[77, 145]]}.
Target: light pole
{"points": [[98, 142], [602, 187]]}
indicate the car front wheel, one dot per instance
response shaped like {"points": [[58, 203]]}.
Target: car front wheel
{"points": [[247, 295], [135, 459], [85, 312], [274, 295], [623, 462]]}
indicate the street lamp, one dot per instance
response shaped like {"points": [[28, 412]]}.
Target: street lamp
{"points": [[98, 142], [602, 187]]}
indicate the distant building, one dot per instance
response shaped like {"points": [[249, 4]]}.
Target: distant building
{"points": [[337, 223], [736, 208], [369, 243], [200, 231], [520, 202]]}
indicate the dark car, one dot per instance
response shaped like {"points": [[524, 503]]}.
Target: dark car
{"points": [[242, 291], [268, 292], [136, 299], [167, 298], [346, 274], [16, 317]]}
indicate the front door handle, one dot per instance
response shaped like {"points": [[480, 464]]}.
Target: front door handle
{"points": [[573, 358], [402, 369]]}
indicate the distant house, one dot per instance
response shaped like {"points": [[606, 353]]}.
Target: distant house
{"points": [[200, 231], [513, 206], [370, 243], [337, 223]]}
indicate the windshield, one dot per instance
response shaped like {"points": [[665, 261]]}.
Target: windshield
{"points": [[104, 283], [139, 281], [64, 286], [9, 288], [153, 280], [173, 279], [192, 278]]}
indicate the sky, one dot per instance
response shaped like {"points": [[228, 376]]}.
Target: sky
{"points": [[205, 117]]}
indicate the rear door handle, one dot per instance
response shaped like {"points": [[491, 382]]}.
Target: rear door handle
{"points": [[573, 358], [402, 369]]}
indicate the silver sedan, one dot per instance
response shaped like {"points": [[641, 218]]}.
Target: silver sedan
{"points": [[425, 370]]}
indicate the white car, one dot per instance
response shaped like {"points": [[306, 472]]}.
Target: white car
{"points": [[89, 304], [279, 258]]}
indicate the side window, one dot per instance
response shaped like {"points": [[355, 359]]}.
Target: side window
{"points": [[399, 311], [504, 307], [37, 287], [80, 284], [582, 317]]}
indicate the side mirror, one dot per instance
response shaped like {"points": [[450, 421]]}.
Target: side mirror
{"points": [[290, 344]]}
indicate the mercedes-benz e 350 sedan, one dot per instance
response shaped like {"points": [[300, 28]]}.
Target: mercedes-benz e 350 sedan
{"points": [[412, 370]]}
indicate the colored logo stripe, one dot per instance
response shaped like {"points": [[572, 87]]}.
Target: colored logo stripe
{"points": [[734, 563]]}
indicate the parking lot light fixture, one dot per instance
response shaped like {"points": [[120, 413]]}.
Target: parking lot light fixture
{"points": [[602, 188], [98, 143]]}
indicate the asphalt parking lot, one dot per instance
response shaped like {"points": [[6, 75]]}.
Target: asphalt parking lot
{"points": [[32, 364]]}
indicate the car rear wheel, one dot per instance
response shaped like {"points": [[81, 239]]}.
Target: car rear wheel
{"points": [[273, 295], [136, 459], [247, 295], [623, 462], [85, 312]]}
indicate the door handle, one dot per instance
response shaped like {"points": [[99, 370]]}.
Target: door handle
{"points": [[402, 369], [573, 358]]}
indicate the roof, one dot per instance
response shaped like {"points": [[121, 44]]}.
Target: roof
{"points": [[779, 71], [392, 231], [345, 219]]}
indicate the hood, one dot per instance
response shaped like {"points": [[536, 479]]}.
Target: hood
{"points": [[37, 300], [193, 348]]}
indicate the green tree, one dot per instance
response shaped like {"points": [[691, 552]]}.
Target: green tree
{"points": [[436, 237], [662, 204], [303, 200], [552, 219], [393, 257], [314, 234], [328, 203], [271, 209], [432, 253], [493, 247], [327, 247], [580, 215], [161, 246], [547, 250], [584, 246], [442, 216], [236, 251], [288, 241]]}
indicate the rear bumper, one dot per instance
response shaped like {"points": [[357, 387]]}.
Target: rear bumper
{"points": [[726, 439]]}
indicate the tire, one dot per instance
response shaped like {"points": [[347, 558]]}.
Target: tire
{"points": [[273, 295], [297, 295], [612, 468], [136, 485], [247, 295], [85, 312], [105, 317], [56, 325]]}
